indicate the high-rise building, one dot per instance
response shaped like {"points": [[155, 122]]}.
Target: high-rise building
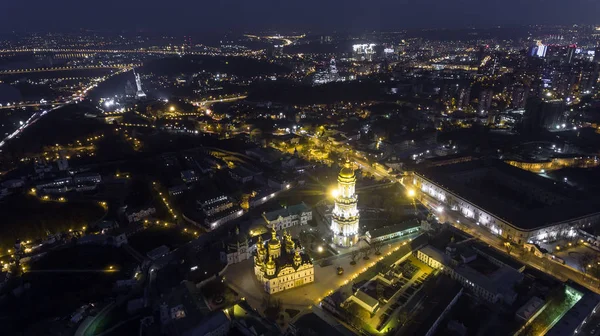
{"points": [[548, 114], [519, 97], [464, 97], [327, 75], [571, 53], [485, 101], [482, 52], [345, 217], [363, 52], [539, 49], [589, 78], [276, 50]]}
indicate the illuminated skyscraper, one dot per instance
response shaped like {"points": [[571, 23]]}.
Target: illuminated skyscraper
{"points": [[138, 82], [344, 222], [327, 75]]}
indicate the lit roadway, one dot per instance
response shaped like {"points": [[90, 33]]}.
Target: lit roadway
{"points": [[208, 102], [468, 225], [38, 115], [68, 68], [33, 105], [211, 51]]}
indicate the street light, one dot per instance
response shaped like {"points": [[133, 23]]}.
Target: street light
{"points": [[335, 193], [320, 249], [411, 193]]}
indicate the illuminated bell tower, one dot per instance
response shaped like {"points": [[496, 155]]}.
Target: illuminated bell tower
{"points": [[345, 217]]}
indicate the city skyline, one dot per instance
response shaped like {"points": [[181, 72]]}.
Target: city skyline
{"points": [[289, 182], [240, 16]]}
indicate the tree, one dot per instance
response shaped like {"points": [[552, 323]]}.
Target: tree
{"points": [[354, 256], [508, 246], [366, 252], [585, 260], [357, 314], [377, 248]]}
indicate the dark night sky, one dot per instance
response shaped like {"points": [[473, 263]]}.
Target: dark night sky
{"points": [[315, 15]]}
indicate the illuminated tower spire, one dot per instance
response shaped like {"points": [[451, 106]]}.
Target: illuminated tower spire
{"points": [[138, 82], [344, 221]]}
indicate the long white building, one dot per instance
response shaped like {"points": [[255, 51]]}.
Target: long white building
{"points": [[517, 205]]}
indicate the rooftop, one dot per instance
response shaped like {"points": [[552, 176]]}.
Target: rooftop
{"points": [[386, 230], [422, 322], [366, 298], [186, 308], [287, 211], [468, 180], [317, 323]]}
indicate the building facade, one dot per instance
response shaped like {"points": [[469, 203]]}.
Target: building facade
{"points": [[558, 218], [392, 231], [345, 216], [493, 287], [280, 265], [236, 248], [298, 214]]}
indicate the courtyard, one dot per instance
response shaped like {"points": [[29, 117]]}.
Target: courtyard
{"points": [[241, 278]]}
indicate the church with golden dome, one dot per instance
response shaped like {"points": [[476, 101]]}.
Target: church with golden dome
{"points": [[279, 265], [345, 216]]}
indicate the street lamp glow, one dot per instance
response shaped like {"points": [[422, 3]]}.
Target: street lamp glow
{"points": [[320, 249], [411, 193], [440, 209], [335, 193]]}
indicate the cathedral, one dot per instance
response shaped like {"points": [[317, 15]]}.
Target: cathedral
{"points": [[345, 216], [279, 265]]}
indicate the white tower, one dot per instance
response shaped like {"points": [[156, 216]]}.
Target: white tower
{"points": [[138, 82], [344, 221]]}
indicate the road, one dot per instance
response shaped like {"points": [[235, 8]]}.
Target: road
{"points": [[37, 116], [69, 68], [212, 101], [470, 226]]}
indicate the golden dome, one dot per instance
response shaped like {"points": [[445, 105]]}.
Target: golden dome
{"points": [[297, 258], [271, 263], [289, 243], [261, 250], [347, 171], [274, 242]]}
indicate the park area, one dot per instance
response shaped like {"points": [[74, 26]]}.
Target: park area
{"points": [[157, 235], [559, 303], [27, 217], [62, 281]]}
